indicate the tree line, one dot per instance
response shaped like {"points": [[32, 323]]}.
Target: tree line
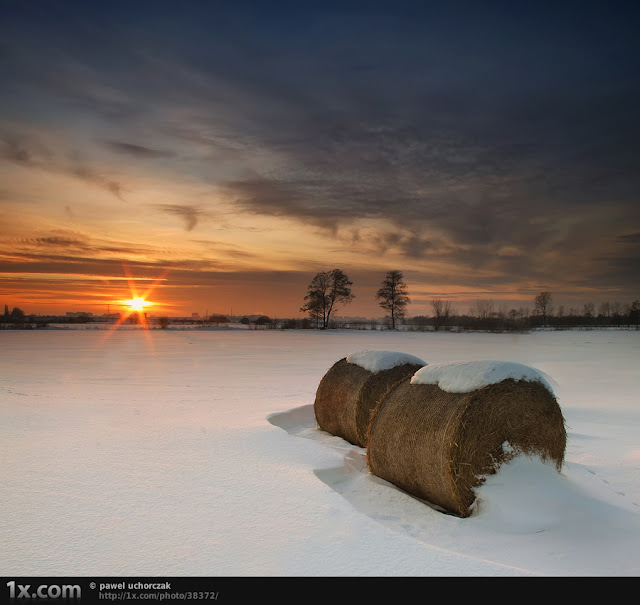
{"points": [[328, 290], [16, 318]]}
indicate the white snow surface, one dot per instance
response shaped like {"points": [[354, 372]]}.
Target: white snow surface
{"points": [[196, 453], [467, 376], [378, 361]]}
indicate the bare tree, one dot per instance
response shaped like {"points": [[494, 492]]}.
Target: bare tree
{"points": [[543, 305], [441, 311], [393, 297], [483, 309], [616, 312], [634, 313], [325, 291], [605, 309], [588, 310]]}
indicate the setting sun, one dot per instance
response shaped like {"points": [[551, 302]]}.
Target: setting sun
{"points": [[137, 303]]}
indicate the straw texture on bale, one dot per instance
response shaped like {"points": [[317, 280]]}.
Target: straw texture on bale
{"points": [[348, 394], [439, 445]]}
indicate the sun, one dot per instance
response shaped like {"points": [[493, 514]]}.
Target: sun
{"points": [[135, 307], [137, 303]]}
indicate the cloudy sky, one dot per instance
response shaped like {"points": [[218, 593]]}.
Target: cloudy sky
{"points": [[216, 155]]}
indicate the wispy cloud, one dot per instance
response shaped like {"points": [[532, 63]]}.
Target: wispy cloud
{"points": [[190, 215], [94, 177], [137, 151], [630, 238], [70, 245], [27, 151]]}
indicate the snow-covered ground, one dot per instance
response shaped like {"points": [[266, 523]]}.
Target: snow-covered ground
{"points": [[195, 453]]}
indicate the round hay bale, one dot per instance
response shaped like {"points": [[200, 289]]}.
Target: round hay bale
{"points": [[354, 386], [439, 435]]}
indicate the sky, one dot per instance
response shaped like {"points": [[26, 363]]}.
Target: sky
{"points": [[213, 157]]}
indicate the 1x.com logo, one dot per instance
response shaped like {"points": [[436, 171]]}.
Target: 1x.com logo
{"points": [[44, 591]]}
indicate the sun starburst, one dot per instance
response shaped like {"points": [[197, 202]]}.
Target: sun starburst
{"points": [[134, 307], [137, 303]]}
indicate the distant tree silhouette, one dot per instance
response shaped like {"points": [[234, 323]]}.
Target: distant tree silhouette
{"points": [[441, 311], [218, 319], [17, 315], [393, 297], [483, 309], [326, 290], [543, 305], [588, 311], [634, 313]]}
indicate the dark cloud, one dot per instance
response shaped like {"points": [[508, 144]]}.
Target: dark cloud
{"points": [[631, 238], [93, 264], [137, 151], [59, 241], [71, 245], [28, 151], [189, 214], [177, 272], [94, 177], [226, 249], [22, 150]]}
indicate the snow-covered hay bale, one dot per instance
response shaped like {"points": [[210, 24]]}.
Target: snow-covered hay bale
{"points": [[354, 386], [439, 434]]}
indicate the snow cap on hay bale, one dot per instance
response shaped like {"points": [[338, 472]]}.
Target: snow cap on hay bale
{"points": [[439, 435], [354, 386]]}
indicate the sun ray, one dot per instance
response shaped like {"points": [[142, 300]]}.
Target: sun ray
{"points": [[138, 302]]}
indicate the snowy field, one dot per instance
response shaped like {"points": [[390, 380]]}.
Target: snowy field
{"points": [[195, 453]]}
